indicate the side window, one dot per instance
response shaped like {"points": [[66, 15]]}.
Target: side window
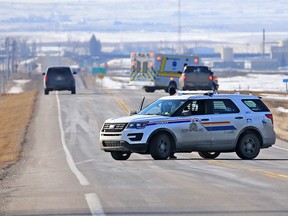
{"points": [[194, 107], [256, 105], [224, 106], [138, 66], [145, 67]]}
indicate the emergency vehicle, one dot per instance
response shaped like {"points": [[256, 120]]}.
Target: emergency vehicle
{"points": [[158, 71], [208, 124]]}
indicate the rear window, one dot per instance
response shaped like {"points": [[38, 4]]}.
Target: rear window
{"points": [[256, 105], [61, 71], [197, 70], [224, 106]]}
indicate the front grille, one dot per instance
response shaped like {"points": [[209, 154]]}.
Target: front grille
{"points": [[111, 143], [114, 127]]}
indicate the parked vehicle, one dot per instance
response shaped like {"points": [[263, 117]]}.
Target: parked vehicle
{"points": [[59, 78], [158, 71], [208, 124], [198, 78]]}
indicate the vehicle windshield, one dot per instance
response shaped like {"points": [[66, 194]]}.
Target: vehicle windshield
{"points": [[162, 107]]}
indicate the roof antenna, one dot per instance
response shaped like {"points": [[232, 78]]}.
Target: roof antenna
{"points": [[141, 105]]}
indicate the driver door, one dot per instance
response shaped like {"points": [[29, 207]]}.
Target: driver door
{"points": [[194, 133]]}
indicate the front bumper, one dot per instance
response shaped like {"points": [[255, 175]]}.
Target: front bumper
{"points": [[124, 146], [127, 140]]}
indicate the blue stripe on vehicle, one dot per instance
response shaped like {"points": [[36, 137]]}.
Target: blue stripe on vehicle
{"points": [[176, 122], [220, 128], [167, 122]]}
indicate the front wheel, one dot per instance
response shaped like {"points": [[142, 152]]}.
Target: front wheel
{"points": [[118, 155], [161, 146], [209, 155], [172, 88], [248, 147]]}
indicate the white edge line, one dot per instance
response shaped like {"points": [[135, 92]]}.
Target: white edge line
{"points": [[82, 179], [94, 204], [280, 148]]}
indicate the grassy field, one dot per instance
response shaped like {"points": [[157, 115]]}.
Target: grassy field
{"points": [[15, 114]]}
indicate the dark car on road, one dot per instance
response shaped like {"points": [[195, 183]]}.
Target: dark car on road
{"points": [[59, 78], [198, 78]]}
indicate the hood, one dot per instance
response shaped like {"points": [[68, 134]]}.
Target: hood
{"points": [[137, 118]]}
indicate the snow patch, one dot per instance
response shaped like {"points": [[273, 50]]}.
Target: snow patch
{"points": [[18, 88], [282, 109]]}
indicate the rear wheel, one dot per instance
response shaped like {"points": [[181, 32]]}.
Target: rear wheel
{"points": [[118, 155], [248, 147], [149, 89], [46, 91], [73, 91], [161, 146], [209, 155]]}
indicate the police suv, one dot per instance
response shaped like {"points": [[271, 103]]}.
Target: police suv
{"points": [[209, 124]]}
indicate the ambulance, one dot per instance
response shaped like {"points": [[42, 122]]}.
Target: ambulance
{"points": [[159, 71]]}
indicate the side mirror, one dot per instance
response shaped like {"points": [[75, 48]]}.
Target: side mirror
{"points": [[132, 113], [179, 72], [43, 73], [74, 72]]}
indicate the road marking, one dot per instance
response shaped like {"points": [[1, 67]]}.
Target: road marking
{"points": [[94, 204], [267, 173], [121, 103], [82, 179], [271, 174], [280, 148]]}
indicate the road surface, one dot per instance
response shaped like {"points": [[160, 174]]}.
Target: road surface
{"points": [[64, 172]]}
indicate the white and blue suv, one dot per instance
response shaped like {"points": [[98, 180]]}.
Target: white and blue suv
{"points": [[209, 124]]}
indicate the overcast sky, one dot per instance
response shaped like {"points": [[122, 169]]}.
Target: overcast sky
{"points": [[144, 15]]}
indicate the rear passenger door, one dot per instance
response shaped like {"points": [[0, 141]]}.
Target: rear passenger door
{"points": [[227, 121]]}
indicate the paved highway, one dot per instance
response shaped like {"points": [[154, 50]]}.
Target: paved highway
{"points": [[64, 172]]}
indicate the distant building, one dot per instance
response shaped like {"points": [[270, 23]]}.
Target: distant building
{"points": [[227, 54], [262, 64], [280, 53], [227, 60], [231, 64], [200, 50]]}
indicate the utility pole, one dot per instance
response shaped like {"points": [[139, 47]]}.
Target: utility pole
{"points": [[263, 45], [179, 27]]}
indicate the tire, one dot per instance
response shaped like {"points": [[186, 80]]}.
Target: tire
{"points": [[73, 91], [209, 155], [172, 88], [46, 92], [117, 155], [149, 89], [248, 147], [160, 146]]}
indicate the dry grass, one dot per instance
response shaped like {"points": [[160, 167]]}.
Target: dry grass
{"points": [[15, 114], [280, 118]]}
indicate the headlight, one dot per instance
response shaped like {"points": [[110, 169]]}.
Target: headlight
{"points": [[137, 125]]}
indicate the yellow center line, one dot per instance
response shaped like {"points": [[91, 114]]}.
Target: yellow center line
{"points": [[266, 173], [121, 103], [270, 174]]}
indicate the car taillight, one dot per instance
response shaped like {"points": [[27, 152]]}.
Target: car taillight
{"points": [[270, 116], [46, 78], [211, 78], [72, 77], [184, 77]]}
